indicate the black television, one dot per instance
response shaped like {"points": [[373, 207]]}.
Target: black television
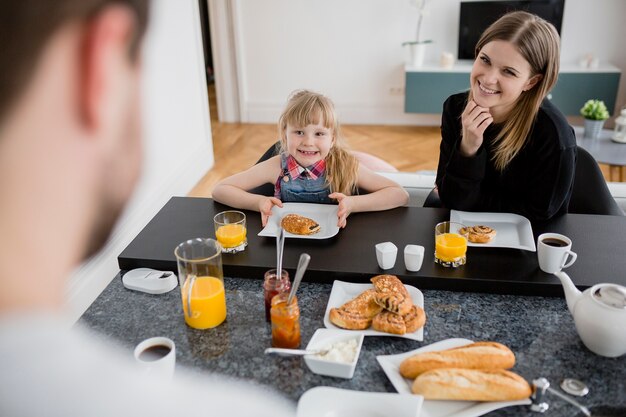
{"points": [[476, 16]]}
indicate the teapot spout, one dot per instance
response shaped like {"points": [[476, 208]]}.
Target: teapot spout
{"points": [[572, 294]]}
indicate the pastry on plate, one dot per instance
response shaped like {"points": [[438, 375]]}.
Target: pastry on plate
{"points": [[391, 294], [389, 322], [299, 225], [479, 233], [356, 314], [414, 319]]}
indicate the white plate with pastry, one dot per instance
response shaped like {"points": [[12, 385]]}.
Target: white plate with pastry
{"points": [[322, 217], [440, 408], [342, 292], [511, 230], [329, 401]]}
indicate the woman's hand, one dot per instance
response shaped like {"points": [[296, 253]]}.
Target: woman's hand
{"points": [[345, 208], [474, 120], [265, 208]]}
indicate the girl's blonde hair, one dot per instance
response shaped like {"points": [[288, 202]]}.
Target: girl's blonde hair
{"points": [[306, 107], [538, 42]]}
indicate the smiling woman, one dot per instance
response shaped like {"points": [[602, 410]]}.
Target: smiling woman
{"points": [[504, 147]]}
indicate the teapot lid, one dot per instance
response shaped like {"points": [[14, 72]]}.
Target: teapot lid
{"points": [[611, 295]]}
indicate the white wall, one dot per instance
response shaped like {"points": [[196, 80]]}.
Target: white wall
{"points": [[177, 136], [350, 50]]}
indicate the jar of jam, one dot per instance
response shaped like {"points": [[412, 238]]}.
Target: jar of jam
{"points": [[285, 322], [272, 285]]}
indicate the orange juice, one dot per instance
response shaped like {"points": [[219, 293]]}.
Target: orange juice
{"points": [[231, 235], [208, 302], [450, 247]]}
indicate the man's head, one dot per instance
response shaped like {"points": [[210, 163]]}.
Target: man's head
{"points": [[27, 25], [70, 147]]}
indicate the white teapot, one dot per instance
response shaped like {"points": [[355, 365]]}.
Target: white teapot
{"points": [[599, 315]]}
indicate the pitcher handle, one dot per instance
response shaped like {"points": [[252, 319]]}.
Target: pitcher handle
{"points": [[191, 280]]}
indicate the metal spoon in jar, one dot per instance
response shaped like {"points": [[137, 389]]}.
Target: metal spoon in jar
{"points": [[296, 352], [280, 244], [302, 265]]}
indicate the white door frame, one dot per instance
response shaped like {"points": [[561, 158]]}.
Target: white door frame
{"points": [[222, 18]]}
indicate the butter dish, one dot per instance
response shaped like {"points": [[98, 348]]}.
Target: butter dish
{"points": [[341, 359], [150, 280]]}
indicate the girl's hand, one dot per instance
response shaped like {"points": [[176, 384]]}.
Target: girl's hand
{"points": [[474, 120], [265, 208], [345, 208]]}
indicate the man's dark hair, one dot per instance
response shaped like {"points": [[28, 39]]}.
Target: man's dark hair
{"points": [[26, 25]]}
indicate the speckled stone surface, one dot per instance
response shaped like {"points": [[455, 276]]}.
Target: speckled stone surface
{"points": [[539, 330]]}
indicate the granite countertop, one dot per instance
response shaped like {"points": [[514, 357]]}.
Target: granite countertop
{"points": [[539, 330]]}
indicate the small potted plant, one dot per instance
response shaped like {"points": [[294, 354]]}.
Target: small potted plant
{"points": [[417, 47], [595, 113]]}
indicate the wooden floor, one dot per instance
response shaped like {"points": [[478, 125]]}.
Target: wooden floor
{"points": [[237, 146]]}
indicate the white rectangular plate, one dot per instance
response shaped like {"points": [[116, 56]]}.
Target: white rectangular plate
{"points": [[343, 292], [430, 408], [329, 401], [513, 230], [324, 214]]}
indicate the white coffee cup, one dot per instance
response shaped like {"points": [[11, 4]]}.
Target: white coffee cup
{"points": [[157, 356], [553, 251], [386, 253], [413, 257]]}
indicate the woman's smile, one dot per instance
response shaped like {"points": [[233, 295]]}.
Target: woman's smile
{"points": [[486, 90]]}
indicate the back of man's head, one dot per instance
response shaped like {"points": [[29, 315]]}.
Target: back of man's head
{"points": [[26, 25]]}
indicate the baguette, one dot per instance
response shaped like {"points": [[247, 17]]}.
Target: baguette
{"points": [[471, 385], [473, 356]]}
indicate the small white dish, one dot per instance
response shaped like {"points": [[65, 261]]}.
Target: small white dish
{"points": [[413, 257], [337, 402], [345, 291], [150, 280], [431, 408], [616, 140], [326, 338], [324, 214], [386, 253], [512, 230]]}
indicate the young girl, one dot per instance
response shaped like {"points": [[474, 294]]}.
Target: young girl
{"points": [[504, 148], [313, 166]]}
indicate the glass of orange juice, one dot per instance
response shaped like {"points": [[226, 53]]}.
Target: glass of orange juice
{"points": [[450, 244], [230, 230], [201, 282]]}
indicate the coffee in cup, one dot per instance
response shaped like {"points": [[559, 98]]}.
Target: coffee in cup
{"points": [[157, 356], [554, 252]]}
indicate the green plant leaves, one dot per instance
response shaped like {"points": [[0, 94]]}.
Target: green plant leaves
{"points": [[594, 110]]}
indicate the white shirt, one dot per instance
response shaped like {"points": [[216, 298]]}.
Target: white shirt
{"points": [[50, 370]]}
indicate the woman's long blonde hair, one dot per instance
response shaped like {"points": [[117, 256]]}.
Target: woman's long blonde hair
{"points": [[306, 107], [538, 42]]}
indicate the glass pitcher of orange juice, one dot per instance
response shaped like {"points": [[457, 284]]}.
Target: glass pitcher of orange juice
{"points": [[450, 244], [201, 282]]}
